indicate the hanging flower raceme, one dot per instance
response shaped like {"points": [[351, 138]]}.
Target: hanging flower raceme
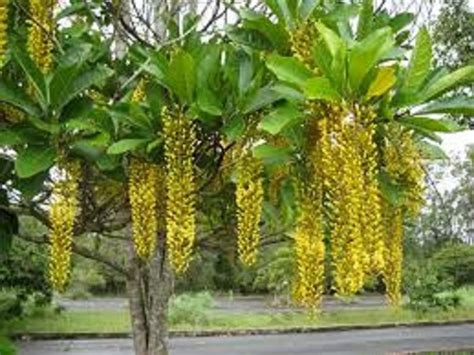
{"points": [[392, 273], [302, 41], [371, 209], [41, 32], [144, 179], [62, 214], [309, 245], [3, 30], [249, 199], [180, 141], [403, 164], [343, 181]]}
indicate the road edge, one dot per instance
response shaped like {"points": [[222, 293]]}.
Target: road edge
{"points": [[238, 332]]}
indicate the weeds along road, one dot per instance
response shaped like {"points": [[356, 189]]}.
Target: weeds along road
{"points": [[364, 342]]}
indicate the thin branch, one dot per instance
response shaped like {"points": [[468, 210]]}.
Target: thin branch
{"points": [[80, 250]]}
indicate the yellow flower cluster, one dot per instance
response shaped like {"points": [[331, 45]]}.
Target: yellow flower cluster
{"points": [[144, 179], [404, 165], [180, 141], [41, 32], [371, 209], [62, 215], [3, 30], [302, 40], [139, 93], [11, 114], [249, 200], [345, 193], [309, 246], [392, 273]]}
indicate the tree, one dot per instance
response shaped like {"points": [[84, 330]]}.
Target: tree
{"points": [[134, 144]]}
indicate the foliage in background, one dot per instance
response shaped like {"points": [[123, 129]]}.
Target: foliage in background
{"points": [[190, 309]]}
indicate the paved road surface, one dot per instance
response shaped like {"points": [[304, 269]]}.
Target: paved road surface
{"points": [[236, 304], [364, 342]]}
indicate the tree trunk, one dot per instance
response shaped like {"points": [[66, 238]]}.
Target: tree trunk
{"points": [[149, 290]]}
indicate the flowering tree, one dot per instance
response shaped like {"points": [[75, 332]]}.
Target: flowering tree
{"points": [[127, 130]]}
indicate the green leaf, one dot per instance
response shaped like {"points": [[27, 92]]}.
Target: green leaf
{"points": [[333, 42], [454, 106], [432, 125], [275, 33], [10, 138], [32, 186], [36, 78], [320, 89], [288, 69], [383, 82], [65, 90], [448, 82], [234, 127], [431, 151], [262, 98], [270, 154], [288, 91], [182, 76], [16, 97], [366, 19], [208, 102], [331, 56], [126, 145], [401, 20], [420, 64], [34, 160], [367, 53], [279, 118]]}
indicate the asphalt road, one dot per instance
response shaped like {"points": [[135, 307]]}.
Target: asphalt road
{"points": [[235, 304], [364, 342]]}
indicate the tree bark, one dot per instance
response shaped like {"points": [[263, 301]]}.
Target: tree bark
{"points": [[149, 290]]}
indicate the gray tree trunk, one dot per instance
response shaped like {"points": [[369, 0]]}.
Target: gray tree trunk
{"points": [[149, 290]]}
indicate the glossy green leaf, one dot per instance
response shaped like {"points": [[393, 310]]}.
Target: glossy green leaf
{"points": [[454, 105], [262, 98], [15, 96], [289, 69], [64, 90], [234, 127], [270, 154], [383, 82], [433, 125], [34, 160], [274, 32], [279, 118], [420, 64], [320, 89], [449, 82], [36, 78], [208, 102], [367, 53], [182, 76], [126, 145]]}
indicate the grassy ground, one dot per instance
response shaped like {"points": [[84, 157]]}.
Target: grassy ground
{"points": [[93, 322], [193, 319]]}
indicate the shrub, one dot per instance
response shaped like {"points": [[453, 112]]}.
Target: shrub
{"points": [[6, 347], [10, 304], [190, 309], [427, 289], [456, 262]]}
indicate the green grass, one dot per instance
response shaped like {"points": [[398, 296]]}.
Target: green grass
{"points": [[119, 321], [96, 322], [6, 346]]}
